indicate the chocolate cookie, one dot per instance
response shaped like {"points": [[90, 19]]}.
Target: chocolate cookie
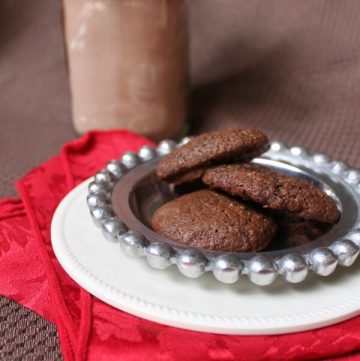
{"points": [[188, 177], [273, 190], [294, 231], [210, 220], [189, 161]]}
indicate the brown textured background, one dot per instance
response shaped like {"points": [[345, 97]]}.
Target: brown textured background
{"points": [[291, 68]]}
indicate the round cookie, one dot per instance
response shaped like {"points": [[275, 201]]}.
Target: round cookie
{"points": [[227, 145], [273, 190], [294, 231], [210, 220]]}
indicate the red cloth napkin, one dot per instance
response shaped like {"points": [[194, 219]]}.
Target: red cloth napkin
{"points": [[88, 328]]}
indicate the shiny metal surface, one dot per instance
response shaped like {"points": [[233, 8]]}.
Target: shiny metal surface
{"points": [[137, 194], [261, 270], [132, 243], [159, 255], [101, 214], [345, 251], [191, 263], [166, 147], [103, 177], [146, 153], [227, 268], [130, 160], [97, 200], [113, 228], [322, 261], [99, 188], [116, 169], [293, 268]]}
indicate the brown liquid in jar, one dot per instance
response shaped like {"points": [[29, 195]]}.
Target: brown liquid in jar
{"points": [[127, 61]]}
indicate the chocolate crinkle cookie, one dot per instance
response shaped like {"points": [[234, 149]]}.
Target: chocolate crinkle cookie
{"points": [[190, 161], [228, 204], [273, 190], [294, 231], [213, 221]]}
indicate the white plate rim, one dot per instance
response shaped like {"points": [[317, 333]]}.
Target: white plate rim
{"points": [[177, 317]]}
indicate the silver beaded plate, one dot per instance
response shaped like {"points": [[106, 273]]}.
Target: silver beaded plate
{"points": [[123, 196]]}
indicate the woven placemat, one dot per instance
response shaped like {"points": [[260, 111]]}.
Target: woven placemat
{"points": [[26, 336], [291, 69]]}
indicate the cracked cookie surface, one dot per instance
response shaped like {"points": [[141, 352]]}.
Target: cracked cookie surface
{"points": [[189, 161], [273, 190], [213, 221]]}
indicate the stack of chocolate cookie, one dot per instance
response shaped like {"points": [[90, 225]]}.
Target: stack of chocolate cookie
{"points": [[242, 206]]}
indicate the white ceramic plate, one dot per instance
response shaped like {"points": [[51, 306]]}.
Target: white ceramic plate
{"points": [[201, 304]]}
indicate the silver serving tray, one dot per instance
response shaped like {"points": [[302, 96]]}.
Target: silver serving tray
{"points": [[124, 195]]}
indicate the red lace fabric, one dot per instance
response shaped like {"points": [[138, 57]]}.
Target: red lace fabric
{"points": [[88, 328]]}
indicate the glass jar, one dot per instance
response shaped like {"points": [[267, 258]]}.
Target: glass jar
{"points": [[127, 62]]}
